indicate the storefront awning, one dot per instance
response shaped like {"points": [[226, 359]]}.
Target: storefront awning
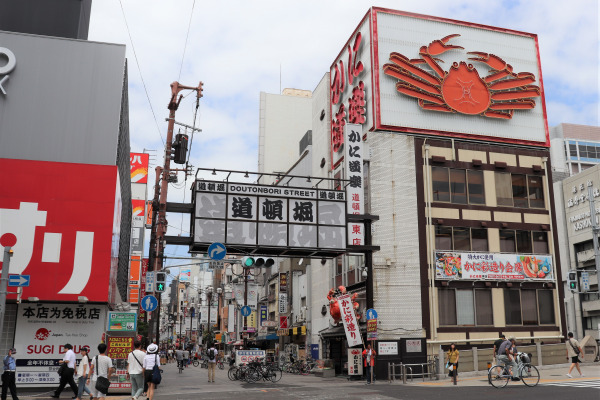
{"points": [[272, 336], [339, 330]]}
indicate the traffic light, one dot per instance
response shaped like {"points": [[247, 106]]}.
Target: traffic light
{"points": [[180, 148], [572, 281], [250, 262], [161, 282]]}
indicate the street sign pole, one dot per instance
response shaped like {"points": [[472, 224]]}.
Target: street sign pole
{"points": [[4, 286]]}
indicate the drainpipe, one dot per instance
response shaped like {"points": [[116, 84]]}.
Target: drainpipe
{"points": [[432, 297], [547, 196]]}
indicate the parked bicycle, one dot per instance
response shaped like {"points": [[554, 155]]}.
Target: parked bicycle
{"points": [[267, 372], [528, 373]]}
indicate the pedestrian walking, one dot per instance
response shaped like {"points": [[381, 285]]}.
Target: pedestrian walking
{"points": [[369, 362], [170, 355], [8, 376], [101, 371], [212, 362], [452, 357], [186, 357], [67, 376], [179, 357], [150, 360], [573, 353], [135, 370], [83, 371]]}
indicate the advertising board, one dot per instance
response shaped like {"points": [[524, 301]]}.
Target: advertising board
{"points": [[139, 167], [122, 321], [43, 329], [355, 363], [67, 238], [494, 266], [427, 75], [388, 348], [246, 356]]}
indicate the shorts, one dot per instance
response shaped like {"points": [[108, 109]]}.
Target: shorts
{"points": [[148, 376], [575, 360]]}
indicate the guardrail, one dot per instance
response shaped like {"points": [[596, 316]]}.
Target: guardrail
{"points": [[427, 369]]}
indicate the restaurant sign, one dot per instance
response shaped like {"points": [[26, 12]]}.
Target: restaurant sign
{"points": [[493, 266]]}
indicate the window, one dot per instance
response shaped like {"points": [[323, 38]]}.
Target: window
{"points": [[457, 186], [518, 190], [512, 307], [529, 307], [479, 239], [461, 239], [536, 191], [443, 238], [483, 300], [465, 307], [441, 184], [573, 150], [540, 243], [546, 306], [507, 241], [524, 244], [476, 188]]}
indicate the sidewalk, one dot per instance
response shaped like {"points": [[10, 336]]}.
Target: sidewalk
{"points": [[548, 374]]}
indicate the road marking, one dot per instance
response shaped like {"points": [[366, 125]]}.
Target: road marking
{"points": [[579, 383]]}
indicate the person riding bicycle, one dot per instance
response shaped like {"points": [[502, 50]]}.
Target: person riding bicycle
{"points": [[179, 357], [506, 356]]}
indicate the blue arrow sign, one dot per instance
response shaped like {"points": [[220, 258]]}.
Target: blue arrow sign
{"points": [[246, 311], [217, 251], [149, 303], [371, 314], [18, 280]]}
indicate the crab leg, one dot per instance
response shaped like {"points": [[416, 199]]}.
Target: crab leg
{"points": [[513, 105], [412, 91], [527, 91], [404, 62], [435, 48], [435, 107], [498, 114], [512, 83], [397, 72]]}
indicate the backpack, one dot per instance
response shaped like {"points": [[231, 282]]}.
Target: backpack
{"points": [[156, 376], [211, 354]]}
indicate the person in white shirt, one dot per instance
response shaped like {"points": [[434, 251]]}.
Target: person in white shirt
{"points": [[101, 366], [135, 370], [67, 375], [83, 370], [150, 360], [212, 362]]}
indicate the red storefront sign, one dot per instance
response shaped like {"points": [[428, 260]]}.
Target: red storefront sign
{"points": [[139, 167], [67, 234]]}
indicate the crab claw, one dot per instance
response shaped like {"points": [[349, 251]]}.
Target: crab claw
{"points": [[439, 46], [493, 61]]}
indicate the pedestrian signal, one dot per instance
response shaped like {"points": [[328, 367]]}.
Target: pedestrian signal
{"points": [[161, 281]]}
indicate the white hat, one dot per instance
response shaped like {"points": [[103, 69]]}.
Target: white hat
{"points": [[153, 348]]}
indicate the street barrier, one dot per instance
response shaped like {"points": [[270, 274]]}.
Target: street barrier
{"points": [[406, 371]]}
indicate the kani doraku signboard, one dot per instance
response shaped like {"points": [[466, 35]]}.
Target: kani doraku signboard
{"points": [[273, 219]]}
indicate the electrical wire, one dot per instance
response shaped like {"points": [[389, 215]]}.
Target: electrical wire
{"points": [[186, 39], [140, 71]]}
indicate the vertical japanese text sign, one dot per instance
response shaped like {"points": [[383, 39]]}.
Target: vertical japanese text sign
{"points": [[350, 323], [355, 191]]}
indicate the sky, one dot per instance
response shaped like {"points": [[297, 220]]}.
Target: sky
{"points": [[240, 48]]}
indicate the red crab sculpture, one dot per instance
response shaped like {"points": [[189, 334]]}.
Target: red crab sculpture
{"points": [[334, 308], [462, 89]]}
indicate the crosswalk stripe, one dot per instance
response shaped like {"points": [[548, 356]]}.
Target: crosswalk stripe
{"points": [[595, 384]]}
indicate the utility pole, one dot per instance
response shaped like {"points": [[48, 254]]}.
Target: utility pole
{"points": [[245, 331], [159, 222]]}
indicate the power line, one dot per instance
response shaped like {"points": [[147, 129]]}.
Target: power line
{"points": [[186, 39], [140, 71]]}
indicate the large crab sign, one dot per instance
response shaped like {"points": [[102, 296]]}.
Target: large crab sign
{"points": [[334, 307], [461, 89]]}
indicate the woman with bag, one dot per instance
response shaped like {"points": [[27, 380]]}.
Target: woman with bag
{"points": [[100, 371], [452, 359], [150, 362], [573, 353], [83, 372]]}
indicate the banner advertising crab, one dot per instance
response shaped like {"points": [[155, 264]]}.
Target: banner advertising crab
{"points": [[493, 266], [350, 322], [420, 74]]}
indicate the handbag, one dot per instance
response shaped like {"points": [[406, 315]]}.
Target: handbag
{"points": [[448, 365], [61, 370], [102, 383], [156, 376]]}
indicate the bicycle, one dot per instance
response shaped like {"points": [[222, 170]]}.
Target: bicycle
{"points": [[180, 366], [256, 371], [528, 373]]}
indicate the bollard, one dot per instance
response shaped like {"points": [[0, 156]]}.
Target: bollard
{"points": [[403, 374]]}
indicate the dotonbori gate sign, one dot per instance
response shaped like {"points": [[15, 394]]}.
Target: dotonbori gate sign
{"points": [[418, 74], [269, 220]]}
